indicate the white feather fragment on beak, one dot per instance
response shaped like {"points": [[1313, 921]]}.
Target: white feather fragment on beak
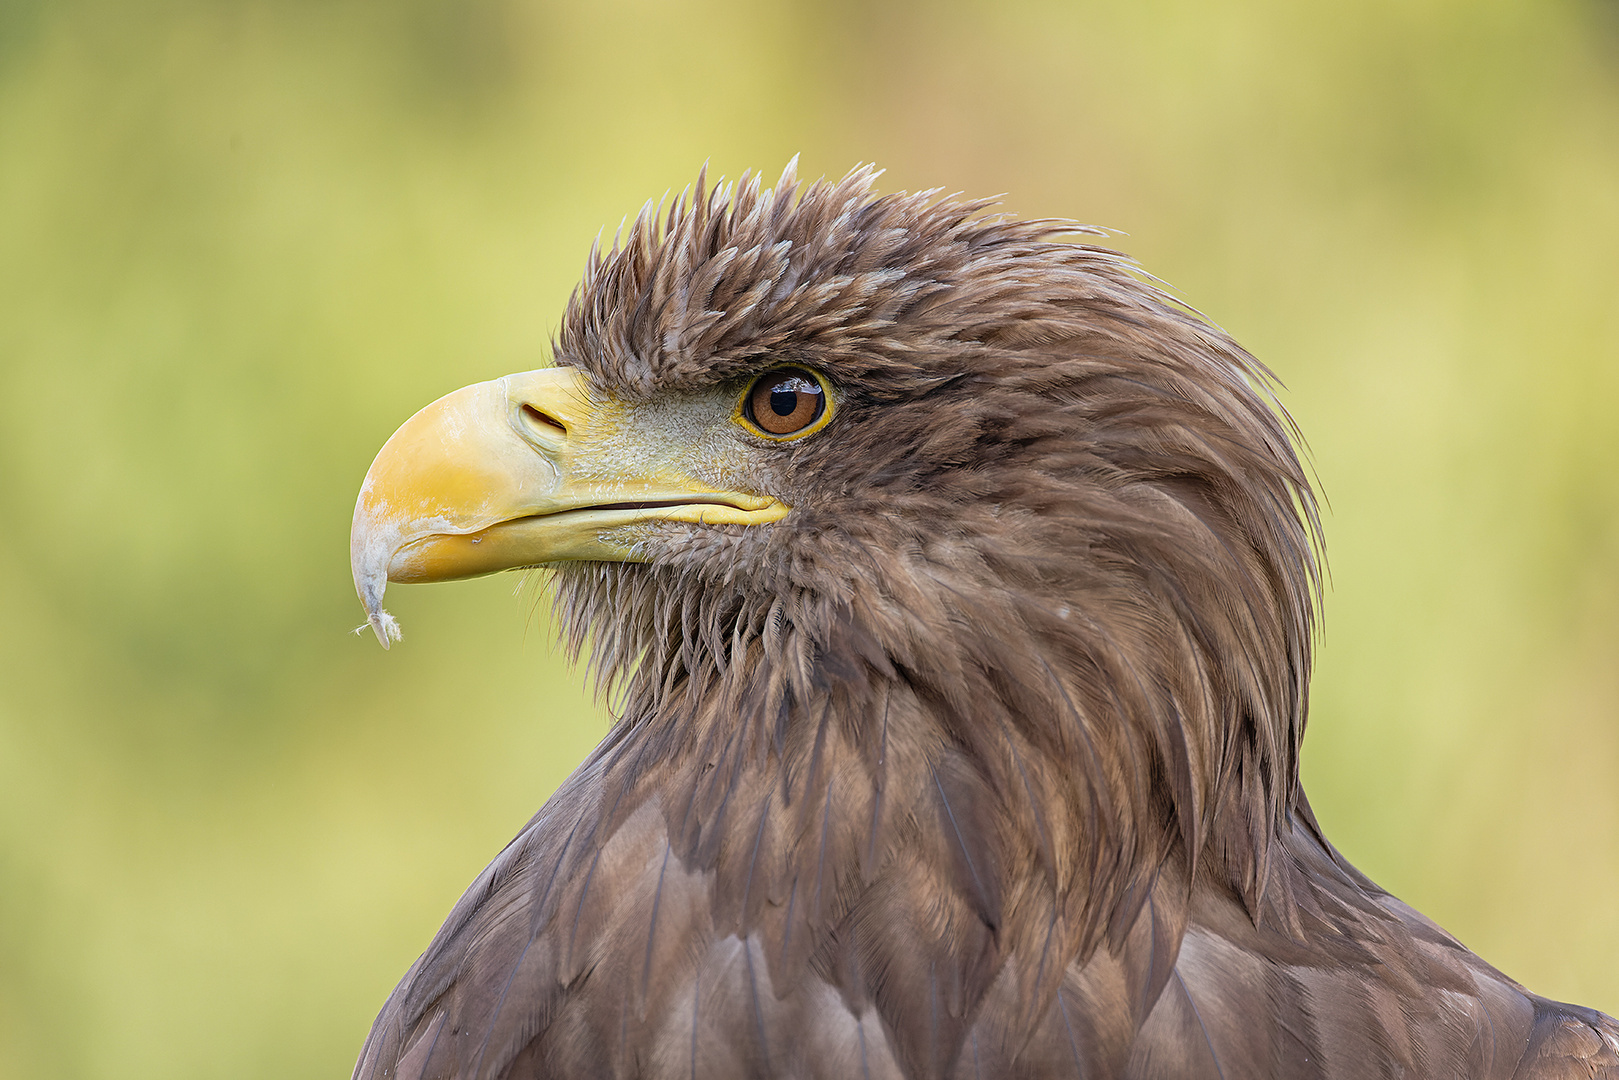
{"points": [[385, 625]]}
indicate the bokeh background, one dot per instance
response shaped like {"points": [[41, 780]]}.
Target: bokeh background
{"points": [[241, 241]]}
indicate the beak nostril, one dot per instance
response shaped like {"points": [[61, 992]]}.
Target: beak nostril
{"points": [[543, 423]]}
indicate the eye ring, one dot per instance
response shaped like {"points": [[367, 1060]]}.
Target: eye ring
{"points": [[786, 403]]}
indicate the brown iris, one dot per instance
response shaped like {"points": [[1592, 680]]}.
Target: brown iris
{"points": [[785, 402]]}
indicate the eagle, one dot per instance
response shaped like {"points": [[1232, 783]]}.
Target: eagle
{"points": [[955, 587]]}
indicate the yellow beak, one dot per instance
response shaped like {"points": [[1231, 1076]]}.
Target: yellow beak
{"points": [[512, 473]]}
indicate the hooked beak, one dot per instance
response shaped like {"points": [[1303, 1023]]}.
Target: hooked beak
{"points": [[513, 473]]}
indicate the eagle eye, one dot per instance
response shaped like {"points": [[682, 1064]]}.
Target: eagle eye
{"points": [[786, 403]]}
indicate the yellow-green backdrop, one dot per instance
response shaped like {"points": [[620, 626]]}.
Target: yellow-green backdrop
{"points": [[241, 241]]}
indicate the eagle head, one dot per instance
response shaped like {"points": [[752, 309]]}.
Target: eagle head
{"points": [[808, 444]]}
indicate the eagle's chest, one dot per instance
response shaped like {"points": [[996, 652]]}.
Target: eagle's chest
{"points": [[823, 922]]}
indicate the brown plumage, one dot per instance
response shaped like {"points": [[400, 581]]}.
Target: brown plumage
{"points": [[983, 761]]}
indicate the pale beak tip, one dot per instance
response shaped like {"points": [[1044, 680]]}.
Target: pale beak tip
{"points": [[369, 553], [385, 626]]}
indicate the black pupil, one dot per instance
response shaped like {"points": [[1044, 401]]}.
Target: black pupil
{"points": [[784, 395], [783, 399]]}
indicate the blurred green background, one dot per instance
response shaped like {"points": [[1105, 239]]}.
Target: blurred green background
{"points": [[240, 242]]}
